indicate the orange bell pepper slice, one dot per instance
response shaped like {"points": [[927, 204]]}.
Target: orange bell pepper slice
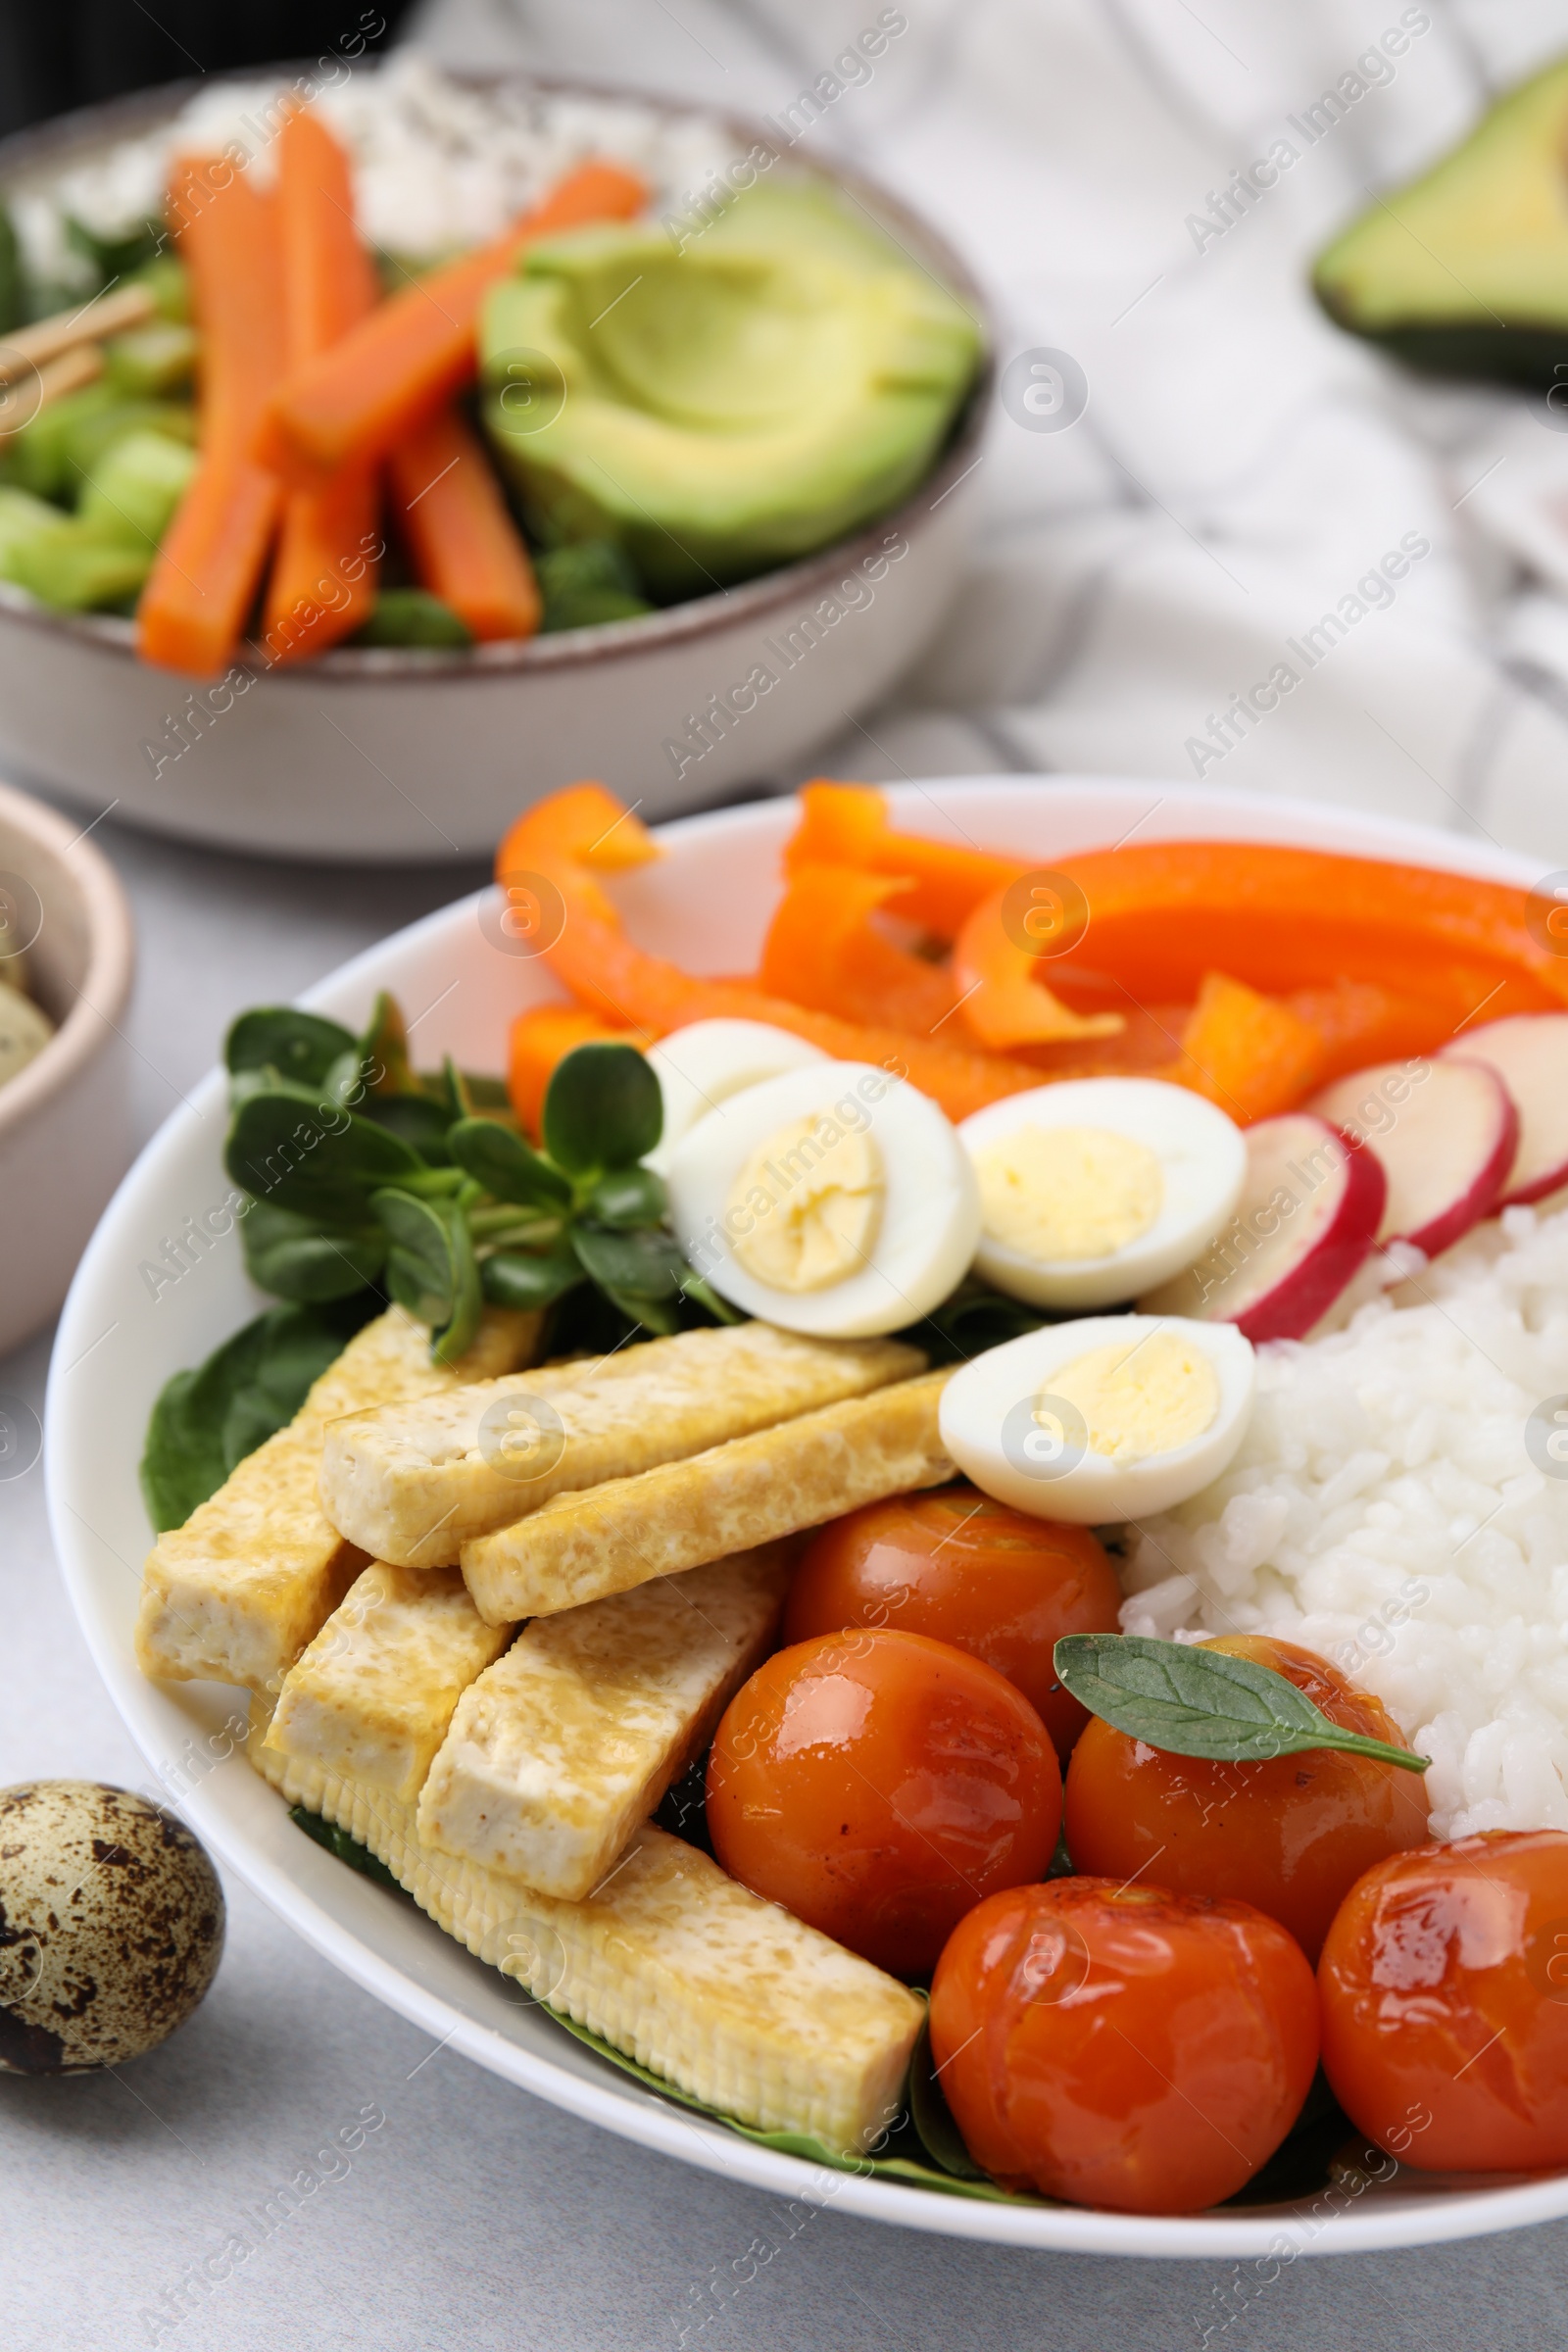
{"points": [[995, 958], [1249, 1053], [540, 1038], [940, 883], [822, 952]]}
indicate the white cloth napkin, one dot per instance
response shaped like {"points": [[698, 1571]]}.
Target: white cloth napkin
{"points": [[1242, 468]]}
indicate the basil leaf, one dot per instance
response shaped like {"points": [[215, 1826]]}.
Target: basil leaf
{"points": [[647, 1264], [1204, 1702], [519, 1278], [507, 1168], [421, 1270], [626, 1198], [299, 1046], [290, 1147], [293, 1257], [603, 1110]]}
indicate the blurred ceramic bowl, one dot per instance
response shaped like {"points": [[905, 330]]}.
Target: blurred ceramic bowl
{"points": [[64, 1119], [408, 756]]}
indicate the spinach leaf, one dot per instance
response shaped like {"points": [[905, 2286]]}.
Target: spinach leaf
{"points": [[603, 1110], [1204, 1702], [298, 1045], [295, 1257], [207, 1420], [497, 1157]]}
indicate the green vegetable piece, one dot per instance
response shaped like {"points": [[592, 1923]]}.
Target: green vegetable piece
{"points": [[431, 1269], [114, 257], [1204, 1702], [207, 1420], [384, 1050], [299, 1046], [150, 361], [583, 586], [294, 1258], [22, 519], [13, 277], [65, 441], [523, 1278], [603, 1110], [422, 1123], [288, 1147], [344, 1847], [79, 567], [627, 1197], [974, 1319], [509, 1168], [412, 616], [134, 488], [643, 1266], [932, 2117], [168, 280]]}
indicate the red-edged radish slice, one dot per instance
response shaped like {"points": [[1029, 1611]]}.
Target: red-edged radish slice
{"points": [[1445, 1133], [1308, 1217], [1528, 1050]]}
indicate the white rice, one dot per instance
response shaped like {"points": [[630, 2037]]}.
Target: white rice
{"points": [[436, 166], [1384, 1510]]}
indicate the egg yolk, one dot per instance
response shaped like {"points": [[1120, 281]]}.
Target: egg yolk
{"points": [[803, 1212], [1151, 1397], [1064, 1195]]}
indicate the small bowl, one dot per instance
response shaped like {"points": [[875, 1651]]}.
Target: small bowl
{"points": [[64, 1121], [383, 753]]}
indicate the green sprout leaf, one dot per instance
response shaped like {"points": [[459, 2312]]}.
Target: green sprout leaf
{"points": [[422, 1269], [646, 1265], [626, 1198], [295, 1257], [508, 1168], [1204, 1702], [603, 1110], [291, 1147], [523, 1278], [299, 1046]]}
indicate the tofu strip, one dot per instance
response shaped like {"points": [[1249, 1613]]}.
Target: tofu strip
{"points": [[235, 1594], [567, 1743], [372, 1696], [697, 1979], [413, 1483], [752, 1491]]}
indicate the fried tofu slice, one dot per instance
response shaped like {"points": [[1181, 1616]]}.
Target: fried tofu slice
{"points": [[372, 1696], [235, 1594], [754, 1490], [722, 1993], [567, 1743], [413, 1483]]}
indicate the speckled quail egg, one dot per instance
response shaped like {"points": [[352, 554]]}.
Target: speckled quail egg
{"points": [[111, 1926]]}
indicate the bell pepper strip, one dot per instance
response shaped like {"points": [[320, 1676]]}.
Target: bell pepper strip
{"points": [[564, 844], [354, 404], [540, 1038], [941, 884], [203, 580], [995, 959], [823, 951], [1251, 1055], [466, 547], [322, 583]]}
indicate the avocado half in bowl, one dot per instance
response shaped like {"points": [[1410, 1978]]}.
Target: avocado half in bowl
{"points": [[775, 447]]}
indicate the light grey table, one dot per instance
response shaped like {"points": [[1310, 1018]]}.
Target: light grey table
{"points": [[473, 2216]]}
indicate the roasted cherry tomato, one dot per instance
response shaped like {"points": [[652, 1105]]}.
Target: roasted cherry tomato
{"points": [[1444, 1988], [964, 1569], [1291, 1836], [1123, 2046], [879, 1784]]}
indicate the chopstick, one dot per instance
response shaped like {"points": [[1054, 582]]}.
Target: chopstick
{"points": [[55, 378], [51, 338]]}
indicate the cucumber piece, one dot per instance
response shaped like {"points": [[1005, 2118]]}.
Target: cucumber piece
{"points": [[151, 360], [78, 566], [134, 489], [168, 280], [23, 518], [66, 440], [412, 616]]}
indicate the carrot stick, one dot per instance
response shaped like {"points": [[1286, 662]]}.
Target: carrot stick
{"points": [[357, 399], [323, 580], [464, 544], [202, 585]]}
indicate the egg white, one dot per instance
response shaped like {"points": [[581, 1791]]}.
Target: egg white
{"points": [[1202, 1158], [1092, 1491], [704, 1064], [930, 1215]]}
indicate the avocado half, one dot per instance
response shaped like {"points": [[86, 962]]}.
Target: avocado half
{"points": [[723, 409], [1465, 272]]}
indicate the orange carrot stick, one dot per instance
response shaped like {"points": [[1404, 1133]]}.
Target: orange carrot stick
{"points": [[357, 399], [466, 545], [324, 575], [203, 580]]}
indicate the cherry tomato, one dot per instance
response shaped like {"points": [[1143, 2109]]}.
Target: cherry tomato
{"points": [[1443, 1987], [964, 1569], [1291, 1836], [1122, 2047], [878, 1784]]}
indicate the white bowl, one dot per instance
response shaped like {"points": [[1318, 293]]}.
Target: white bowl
{"points": [[399, 756], [64, 1121], [707, 903]]}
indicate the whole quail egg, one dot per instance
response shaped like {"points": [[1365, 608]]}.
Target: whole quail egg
{"points": [[111, 1926]]}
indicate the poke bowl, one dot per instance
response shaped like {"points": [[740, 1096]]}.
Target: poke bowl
{"points": [[1394, 1476], [675, 659]]}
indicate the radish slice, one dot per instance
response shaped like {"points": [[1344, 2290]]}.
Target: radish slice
{"points": [[1308, 1217], [1445, 1133], [1528, 1050]]}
